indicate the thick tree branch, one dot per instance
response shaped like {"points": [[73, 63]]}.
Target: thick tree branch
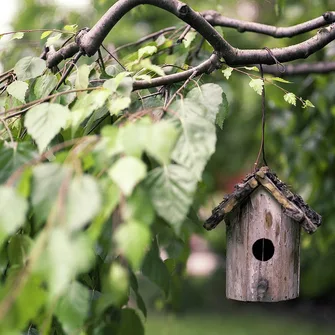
{"points": [[206, 67], [300, 69], [293, 52], [216, 19], [91, 41]]}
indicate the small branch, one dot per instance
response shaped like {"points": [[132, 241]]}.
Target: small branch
{"points": [[145, 38], [207, 66], [69, 69], [36, 30], [53, 58], [36, 102], [216, 19], [183, 34], [301, 69], [8, 131], [166, 107]]}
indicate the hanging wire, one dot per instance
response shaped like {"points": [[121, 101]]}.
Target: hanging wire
{"points": [[262, 147]]}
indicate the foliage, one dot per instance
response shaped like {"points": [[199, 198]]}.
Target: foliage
{"points": [[96, 178]]}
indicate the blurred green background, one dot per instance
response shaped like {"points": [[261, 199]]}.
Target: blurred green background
{"points": [[300, 146]]}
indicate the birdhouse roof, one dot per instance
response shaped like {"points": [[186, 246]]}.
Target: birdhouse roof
{"points": [[293, 205]]}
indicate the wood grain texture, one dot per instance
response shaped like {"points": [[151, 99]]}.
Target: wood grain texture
{"points": [[249, 279]]}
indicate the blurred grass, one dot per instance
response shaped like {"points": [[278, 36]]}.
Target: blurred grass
{"points": [[232, 325]]}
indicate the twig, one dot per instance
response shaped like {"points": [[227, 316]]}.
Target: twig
{"points": [[38, 101], [184, 33], [180, 89], [8, 131], [145, 38], [36, 30], [113, 57], [69, 69]]}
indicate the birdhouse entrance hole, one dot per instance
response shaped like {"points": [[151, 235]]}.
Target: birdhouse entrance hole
{"points": [[263, 249]]}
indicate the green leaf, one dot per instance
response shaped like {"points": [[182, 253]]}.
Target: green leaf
{"points": [[82, 80], [127, 172], [209, 98], [146, 64], [44, 121], [251, 68], [257, 85], [290, 98], [46, 182], [17, 36], [18, 90], [115, 106], [154, 268], [85, 106], [29, 67], [44, 85], [28, 303], [110, 197], [121, 84], [146, 51], [189, 38], [18, 250], [71, 27], [13, 209], [45, 34], [223, 112], [64, 258], [227, 72], [307, 103], [130, 323], [197, 141], [13, 158], [73, 307], [162, 139], [51, 40], [132, 239], [83, 201], [171, 189], [281, 80], [115, 287], [139, 207]]}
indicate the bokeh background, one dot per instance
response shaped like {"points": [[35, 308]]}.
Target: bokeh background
{"points": [[300, 146]]}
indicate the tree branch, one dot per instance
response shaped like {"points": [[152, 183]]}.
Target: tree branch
{"points": [[216, 19], [301, 69], [91, 41], [205, 67], [286, 54]]}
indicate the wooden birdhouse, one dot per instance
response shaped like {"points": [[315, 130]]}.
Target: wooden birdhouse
{"points": [[263, 219]]}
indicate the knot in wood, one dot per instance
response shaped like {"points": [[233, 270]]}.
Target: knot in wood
{"points": [[329, 17], [183, 9], [80, 34], [262, 287]]}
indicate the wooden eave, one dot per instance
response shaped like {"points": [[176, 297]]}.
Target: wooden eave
{"points": [[293, 205]]}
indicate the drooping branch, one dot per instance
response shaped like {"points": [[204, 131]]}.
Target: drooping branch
{"points": [[216, 19], [301, 69], [89, 41]]}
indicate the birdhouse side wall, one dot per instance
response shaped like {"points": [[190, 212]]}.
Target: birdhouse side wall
{"points": [[256, 230]]}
